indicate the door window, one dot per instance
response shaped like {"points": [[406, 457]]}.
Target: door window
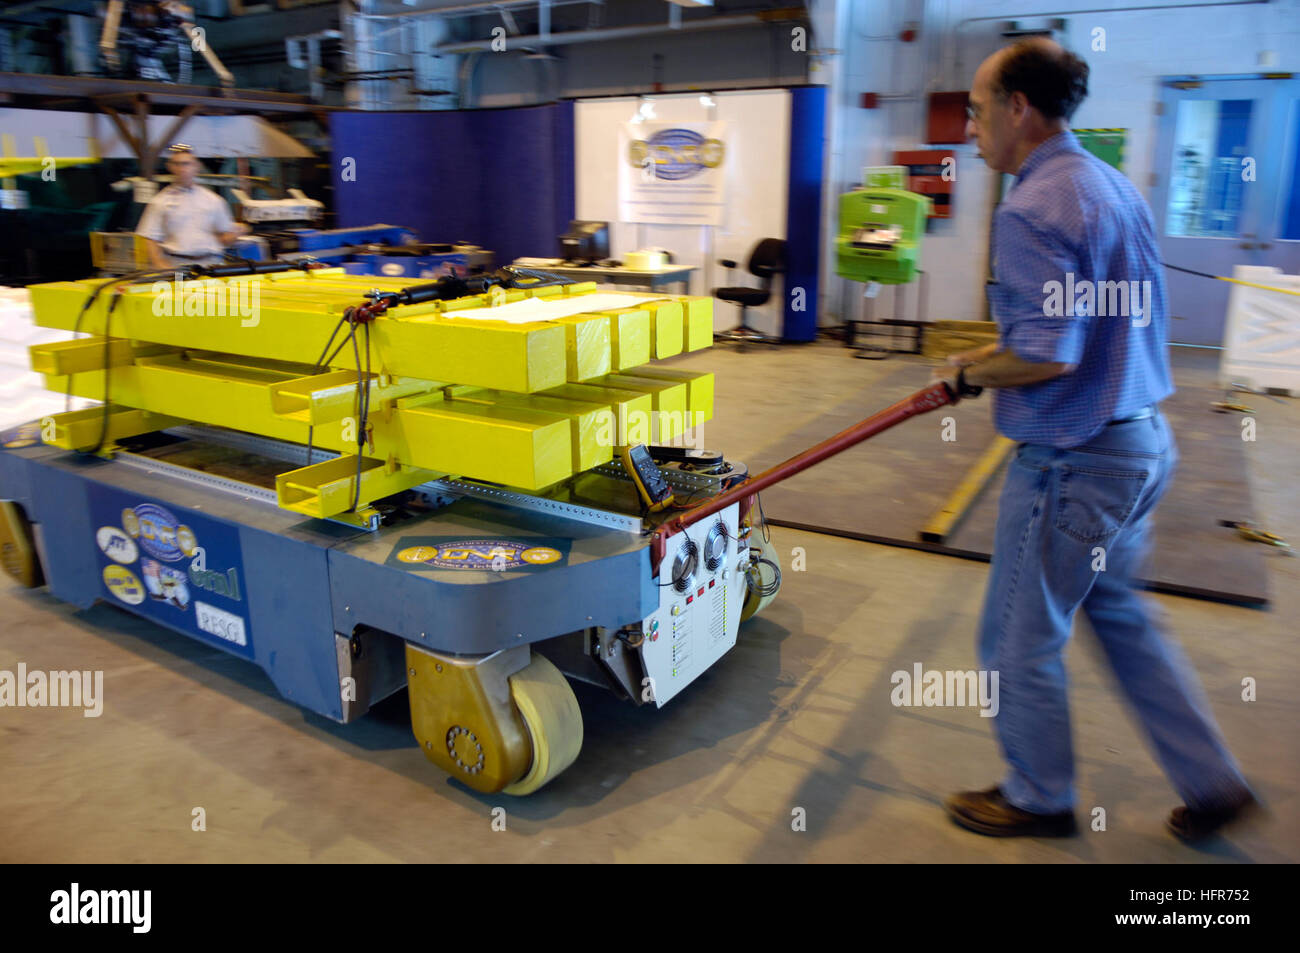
{"points": [[1211, 138], [1289, 227]]}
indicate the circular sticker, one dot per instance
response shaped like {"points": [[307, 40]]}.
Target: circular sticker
{"points": [[27, 435], [123, 583], [185, 540], [116, 545], [418, 554], [540, 555]]}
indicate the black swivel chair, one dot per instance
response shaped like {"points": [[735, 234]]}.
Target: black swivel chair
{"points": [[767, 259]]}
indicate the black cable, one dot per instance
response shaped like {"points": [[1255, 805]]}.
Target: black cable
{"points": [[1199, 274], [1235, 281], [76, 329], [320, 363], [363, 399], [103, 420], [90, 300], [539, 278], [311, 429], [357, 408], [342, 345], [760, 587]]}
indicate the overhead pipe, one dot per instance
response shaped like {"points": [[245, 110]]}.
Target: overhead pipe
{"points": [[463, 9], [612, 33], [1143, 8]]}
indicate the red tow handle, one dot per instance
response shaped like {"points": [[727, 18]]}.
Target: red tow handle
{"points": [[937, 395]]}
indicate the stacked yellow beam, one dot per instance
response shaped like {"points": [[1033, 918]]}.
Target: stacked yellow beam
{"points": [[523, 404]]}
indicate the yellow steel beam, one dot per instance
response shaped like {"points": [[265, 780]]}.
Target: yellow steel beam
{"points": [[291, 317], [82, 429], [86, 354], [629, 338], [699, 387], [667, 332], [327, 489], [632, 410], [321, 398], [592, 425], [526, 448], [671, 412], [516, 357], [697, 312]]}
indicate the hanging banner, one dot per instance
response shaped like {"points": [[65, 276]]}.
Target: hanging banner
{"points": [[672, 173]]}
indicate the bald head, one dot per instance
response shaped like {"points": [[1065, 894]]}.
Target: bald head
{"points": [[1022, 95], [1054, 80]]}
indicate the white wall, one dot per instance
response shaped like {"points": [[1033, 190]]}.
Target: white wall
{"points": [[1141, 47], [23, 396], [758, 165]]}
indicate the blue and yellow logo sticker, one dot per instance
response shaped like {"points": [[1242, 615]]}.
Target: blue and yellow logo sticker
{"points": [[124, 584], [161, 534], [485, 554]]}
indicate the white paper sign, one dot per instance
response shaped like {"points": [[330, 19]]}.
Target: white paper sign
{"points": [[672, 173]]}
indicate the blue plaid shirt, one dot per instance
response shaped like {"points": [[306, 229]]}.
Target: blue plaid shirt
{"points": [[1077, 280]]}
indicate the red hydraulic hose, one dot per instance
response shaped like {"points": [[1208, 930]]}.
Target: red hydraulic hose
{"points": [[936, 395]]}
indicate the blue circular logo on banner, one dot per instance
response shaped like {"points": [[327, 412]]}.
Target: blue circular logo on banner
{"points": [[158, 531], [682, 153]]}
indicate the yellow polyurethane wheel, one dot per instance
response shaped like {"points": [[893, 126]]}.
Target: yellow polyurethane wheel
{"points": [[754, 603], [550, 711], [17, 550]]}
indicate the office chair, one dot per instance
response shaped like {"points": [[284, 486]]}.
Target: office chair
{"points": [[767, 259]]}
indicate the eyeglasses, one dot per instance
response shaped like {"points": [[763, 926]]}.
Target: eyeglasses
{"points": [[972, 113]]}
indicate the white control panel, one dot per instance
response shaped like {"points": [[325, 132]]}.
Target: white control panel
{"points": [[701, 591]]}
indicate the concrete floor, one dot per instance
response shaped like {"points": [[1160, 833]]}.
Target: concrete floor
{"points": [[797, 716]]}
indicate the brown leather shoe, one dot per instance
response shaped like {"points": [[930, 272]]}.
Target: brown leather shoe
{"points": [[1191, 825], [988, 812]]}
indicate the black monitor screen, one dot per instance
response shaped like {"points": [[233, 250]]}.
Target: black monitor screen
{"points": [[585, 241]]}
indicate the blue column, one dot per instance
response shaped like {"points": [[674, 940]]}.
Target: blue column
{"points": [[803, 221]]}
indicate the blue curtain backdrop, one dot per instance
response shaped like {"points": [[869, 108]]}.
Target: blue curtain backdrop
{"points": [[803, 220], [500, 178]]}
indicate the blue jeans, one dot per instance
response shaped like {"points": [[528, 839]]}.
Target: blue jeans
{"points": [[1063, 516]]}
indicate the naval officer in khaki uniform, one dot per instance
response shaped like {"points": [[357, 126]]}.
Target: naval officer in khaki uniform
{"points": [[187, 224]]}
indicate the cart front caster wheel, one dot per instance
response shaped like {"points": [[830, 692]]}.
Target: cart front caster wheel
{"points": [[554, 721], [507, 721], [761, 575]]}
